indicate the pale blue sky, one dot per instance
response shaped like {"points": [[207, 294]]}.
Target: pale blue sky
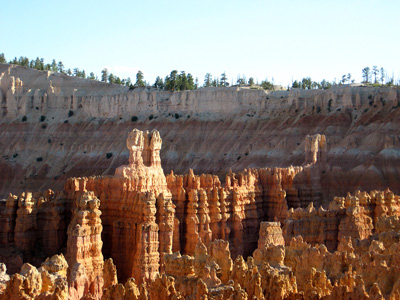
{"points": [[281, 39]]}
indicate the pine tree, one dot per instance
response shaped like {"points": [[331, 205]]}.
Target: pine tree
{"points": [[207, 80], [349, 78], [182, 82], [375, 71], [171, 81], [240, 81], [41, 64], [104, 75], [190, 80], [365, 74], [54, 66], [2, 58], [139, 79], [296, 85], [224, 80], [37, 65], [344, 78], [60, 67], [111, 78], [382, 75]]}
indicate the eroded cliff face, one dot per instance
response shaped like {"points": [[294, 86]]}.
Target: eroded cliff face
{"points": [[76, 127], [256, 236], [146, 215], [253, 227], [138, 213]]}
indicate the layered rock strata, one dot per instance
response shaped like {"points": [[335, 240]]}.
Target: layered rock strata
{"points": [[74, 127]]}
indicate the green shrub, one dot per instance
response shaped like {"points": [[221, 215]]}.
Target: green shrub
{"points": [[329, 104]]}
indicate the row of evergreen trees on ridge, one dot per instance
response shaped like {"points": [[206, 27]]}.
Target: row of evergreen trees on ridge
{"points": [[176, 81]]}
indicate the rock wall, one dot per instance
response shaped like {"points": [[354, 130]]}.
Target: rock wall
{"points": [[349, 250], [208, 210], [359, 269], [355, 216], [146, 215], [32, 227], [72, 127]]}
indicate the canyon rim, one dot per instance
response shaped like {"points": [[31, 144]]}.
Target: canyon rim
{"points": [[217, 193]]}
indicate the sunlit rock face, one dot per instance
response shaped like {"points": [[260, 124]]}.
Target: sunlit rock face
{"points": [[138, 213]]}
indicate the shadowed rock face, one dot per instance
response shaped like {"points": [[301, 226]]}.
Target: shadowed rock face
{"points": [[85, 123]]}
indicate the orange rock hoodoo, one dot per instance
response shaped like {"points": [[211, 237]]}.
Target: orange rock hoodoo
{"points": [[138, 214], [147, 215], [84, 255], [186, 236]]}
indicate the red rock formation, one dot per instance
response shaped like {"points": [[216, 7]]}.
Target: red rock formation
{"points": [[235, 211], [31, 221], [219, 251], [142, 227], [138, 214], [7, 219], [84, 256], [353, 216], [26, 222], [49, 282], [270, 234], [270, 245], [4, 277]]}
